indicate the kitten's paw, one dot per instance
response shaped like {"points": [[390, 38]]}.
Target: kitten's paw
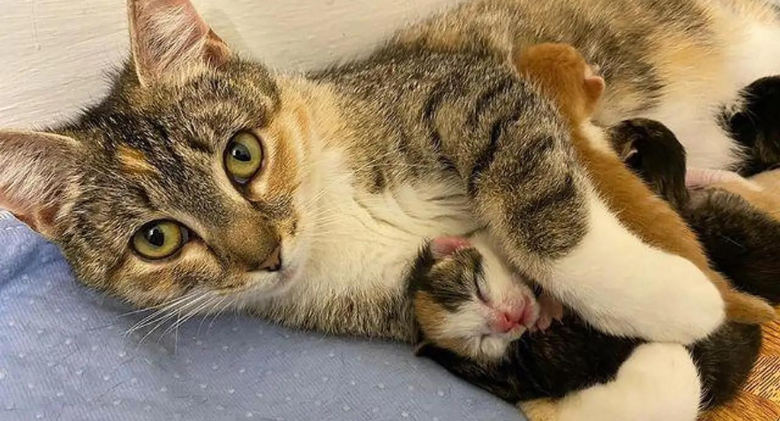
{"points": [[550, 309], [539, 410]]}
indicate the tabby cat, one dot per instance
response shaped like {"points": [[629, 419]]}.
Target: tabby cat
{"points": [[204, 181]]}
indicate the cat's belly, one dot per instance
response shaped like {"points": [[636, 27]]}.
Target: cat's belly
{"points": [[695, 100]]}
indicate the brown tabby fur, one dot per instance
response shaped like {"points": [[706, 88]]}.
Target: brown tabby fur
{"points": [[439, 108]]}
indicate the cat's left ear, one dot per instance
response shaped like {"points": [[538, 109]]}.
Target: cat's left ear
{"points": [[34, 171], [169, 35]]}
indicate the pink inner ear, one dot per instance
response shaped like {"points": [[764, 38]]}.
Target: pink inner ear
{"points": [[168, 34], [447, 246]]}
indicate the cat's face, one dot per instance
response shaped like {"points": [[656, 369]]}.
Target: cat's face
{"points": [[188, 181]]}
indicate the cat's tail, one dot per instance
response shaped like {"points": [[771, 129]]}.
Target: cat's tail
{"points": [[741, 239]]}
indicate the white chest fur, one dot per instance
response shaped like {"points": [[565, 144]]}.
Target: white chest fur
{"points": [[363, 243]]}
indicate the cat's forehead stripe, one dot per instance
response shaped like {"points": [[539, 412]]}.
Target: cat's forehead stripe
{"points": [[133, 160]]}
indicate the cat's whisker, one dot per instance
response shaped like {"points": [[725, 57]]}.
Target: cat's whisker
{"points": [[162, 307], [191, 313], [212, 313], [167, 314]]}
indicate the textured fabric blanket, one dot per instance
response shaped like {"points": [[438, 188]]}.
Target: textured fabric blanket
{"points": [[65, 354]]}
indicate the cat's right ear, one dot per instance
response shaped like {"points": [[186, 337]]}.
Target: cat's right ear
{"points": [[166, 36], [34, 169]]}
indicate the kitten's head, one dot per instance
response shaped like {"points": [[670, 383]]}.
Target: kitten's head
{"points": [[467, 301], [189, 178]]}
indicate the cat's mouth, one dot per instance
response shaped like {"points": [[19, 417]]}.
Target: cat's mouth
{"points": [[273, 283]]}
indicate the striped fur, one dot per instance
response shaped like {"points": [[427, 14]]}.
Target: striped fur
{"points": [[433, 134]]}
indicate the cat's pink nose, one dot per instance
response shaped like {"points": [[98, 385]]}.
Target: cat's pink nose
{"points": [[274, 261]]}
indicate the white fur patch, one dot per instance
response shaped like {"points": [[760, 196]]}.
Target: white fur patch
{"points": [[659, 382], [623, 286], [353, 243]]}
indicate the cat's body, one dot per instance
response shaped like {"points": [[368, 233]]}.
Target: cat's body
{"points": [[433, 135], [678, 62], [396, 78]]}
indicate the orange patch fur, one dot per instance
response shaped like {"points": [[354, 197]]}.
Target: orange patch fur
{"points": [[561, 73], [133, 160], [281, 158], [767, 199], [430, 315], [540, 409]]}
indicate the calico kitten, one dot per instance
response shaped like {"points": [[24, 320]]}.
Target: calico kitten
{"points": [[457, 291], [204, 181]]}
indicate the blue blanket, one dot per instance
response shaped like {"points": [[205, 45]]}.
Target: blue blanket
{"points": [[65, 355]]}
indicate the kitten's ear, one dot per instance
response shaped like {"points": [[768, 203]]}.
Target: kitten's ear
{"points": [[34, 169], [169, 35], [594, 89], [422, 349], [443, 247]]}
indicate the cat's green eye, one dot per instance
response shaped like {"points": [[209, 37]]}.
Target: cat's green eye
{"points": [[159, 240], [243, 157]]}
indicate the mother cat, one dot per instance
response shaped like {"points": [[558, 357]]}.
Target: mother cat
{"points": [[203, 181]]}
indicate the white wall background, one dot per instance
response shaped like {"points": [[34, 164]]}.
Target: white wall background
{"points": [[54, 54]]}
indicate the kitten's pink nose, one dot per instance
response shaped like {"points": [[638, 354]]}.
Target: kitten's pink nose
{"points": [[509, 319]]}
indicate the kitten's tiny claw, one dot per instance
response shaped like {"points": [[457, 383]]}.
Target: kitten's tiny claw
{"points": [[550, 309]]}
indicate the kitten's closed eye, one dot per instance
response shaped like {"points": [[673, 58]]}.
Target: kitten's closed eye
{"points": [[469, 301]]}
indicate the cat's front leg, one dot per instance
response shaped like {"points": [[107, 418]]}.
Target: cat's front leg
{"points": [[551, 224], [625, 287]]}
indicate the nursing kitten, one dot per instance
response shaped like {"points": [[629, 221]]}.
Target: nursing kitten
{"points": [[461, 297], [739, 224], [203, 181]]}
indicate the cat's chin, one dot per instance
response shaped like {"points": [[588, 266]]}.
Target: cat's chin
{"points": [[264, 284]]}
